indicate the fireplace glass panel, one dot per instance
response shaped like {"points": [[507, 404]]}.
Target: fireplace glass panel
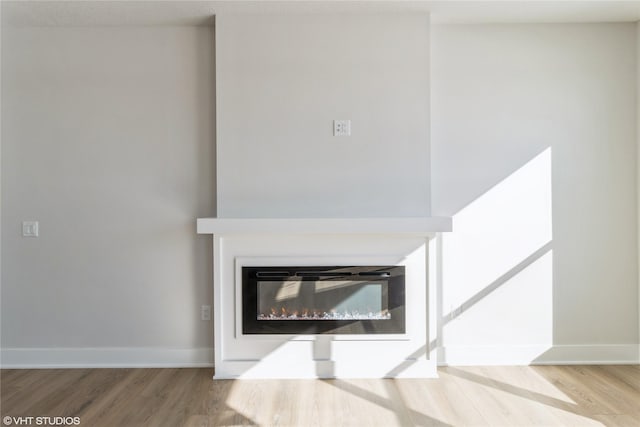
{"points": [[284, 300], [322, 300]]}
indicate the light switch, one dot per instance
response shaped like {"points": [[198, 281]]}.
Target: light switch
{"points": [[30, 228], [342, 128]]}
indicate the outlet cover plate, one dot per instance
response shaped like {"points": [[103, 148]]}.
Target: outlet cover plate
{"points": [[30, 228]]}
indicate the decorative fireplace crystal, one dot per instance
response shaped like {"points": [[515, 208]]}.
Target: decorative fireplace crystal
{"points": [[311, 300]]}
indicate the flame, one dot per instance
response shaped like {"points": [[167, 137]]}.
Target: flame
{"points": [[283, 313]]}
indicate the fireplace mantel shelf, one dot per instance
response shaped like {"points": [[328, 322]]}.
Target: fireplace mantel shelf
{"points": [[418, 226]]}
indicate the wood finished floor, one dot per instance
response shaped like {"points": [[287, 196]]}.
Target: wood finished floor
{"points": [[478, 396]]}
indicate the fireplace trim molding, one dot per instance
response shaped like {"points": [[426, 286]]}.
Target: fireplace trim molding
{"points": [[416, 226]]}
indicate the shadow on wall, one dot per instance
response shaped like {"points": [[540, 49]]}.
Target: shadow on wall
{"points": [[496, 283], [496, 280]]}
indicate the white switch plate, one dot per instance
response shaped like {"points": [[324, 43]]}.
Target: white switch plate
{"points": [[342, 128], [30, 228], [205, 312]]}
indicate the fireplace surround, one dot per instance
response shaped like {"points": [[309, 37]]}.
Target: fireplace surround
{"points": [[306, 243]]}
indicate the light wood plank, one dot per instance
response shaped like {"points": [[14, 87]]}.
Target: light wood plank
{"points": [[474, 396]]}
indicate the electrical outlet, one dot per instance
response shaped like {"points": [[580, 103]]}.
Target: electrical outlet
{"points": [[205, 312], [29, 228], [342, 128]]}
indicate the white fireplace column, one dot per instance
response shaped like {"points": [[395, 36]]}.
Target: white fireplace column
{"points": [[409, 242]]}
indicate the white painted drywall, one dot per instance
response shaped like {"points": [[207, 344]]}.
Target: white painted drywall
{"points": [[534, 155], [283, 79], [108, 142], [1, 186]]}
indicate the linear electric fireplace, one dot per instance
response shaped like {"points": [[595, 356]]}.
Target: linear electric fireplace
{"points": [[323, 300]]}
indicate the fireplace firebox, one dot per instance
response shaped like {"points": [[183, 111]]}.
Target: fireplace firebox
{"points": [[323, 300]]}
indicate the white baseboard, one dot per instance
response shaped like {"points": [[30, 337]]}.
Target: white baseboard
{"points": [[605, 354], [105, 357], [128, 357]]}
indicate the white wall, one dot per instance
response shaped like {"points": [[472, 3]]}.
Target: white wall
{"points": [[534, 155], [108, 142], [283, 79]]}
